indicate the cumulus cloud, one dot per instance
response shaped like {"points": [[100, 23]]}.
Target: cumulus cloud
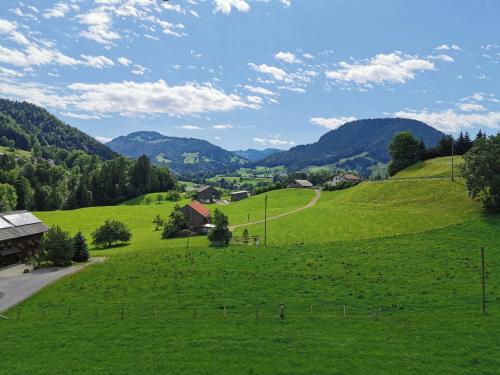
{"points": [[103, 140], [471, 107], [260, 90], [81, 116], [222, 126], [331, 122], [57, 11], [287, 57], [446, 47], [124, 61], [442, 57], [451, 122], [99, 25], [277, 73], [10, 29], [274, 142], [383, 68], [226, 6], [191, 127], [99, 62]]}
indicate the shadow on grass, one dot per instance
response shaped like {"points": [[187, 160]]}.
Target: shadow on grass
{"points": [[114, 246]]}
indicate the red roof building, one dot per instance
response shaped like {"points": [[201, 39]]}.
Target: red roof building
{"points": [[197, 215]]}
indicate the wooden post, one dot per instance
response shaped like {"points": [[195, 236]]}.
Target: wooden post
{"points": [[257, 313], [122, 312], [18, 314], [282, 311], [452, 159], [265, 222], [96, 313], [344, 311], [69, 312], [194, 312], [156, 313], [224, 312], [483, 283], [311, 311], [43, 313]]}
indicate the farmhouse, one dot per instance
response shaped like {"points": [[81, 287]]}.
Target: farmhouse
{"points": [[20, 236], [197, 216], [207, 194], [239, 195], [300, 184], [338, 178]]}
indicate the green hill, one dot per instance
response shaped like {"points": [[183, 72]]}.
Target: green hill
{"points": [[384, 273], [438, 167]]}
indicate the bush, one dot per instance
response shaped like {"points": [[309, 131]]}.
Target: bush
{"points": [[111, 232], [169, 231], [57, 247], [220, 235], [174, 196], [8, 197], [340, 186], [80, 247], [405, 150], [158, 222]]}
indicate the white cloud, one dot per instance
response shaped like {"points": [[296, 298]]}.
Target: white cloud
{"points": [[10, 29], [331, 122], [225, 6], [383, 68], [81, 116], [124, 61], [103, 139], [260, 90], [451, 121], [442, 57], [307, 56], [98, 62], [57, 11], [254, 99], [446, 47], [286, 2], [277, 73], [471, 107], [9, 73], [287, 57], [222, 126], [275, 142], [191, 127], [99, 27]]}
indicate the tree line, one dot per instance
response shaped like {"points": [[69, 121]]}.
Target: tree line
{"points": [[75, 179]]}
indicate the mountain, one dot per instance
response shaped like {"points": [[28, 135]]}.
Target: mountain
{"points": [[29, 125], [256, 155], [356, 145], [183, 155]]}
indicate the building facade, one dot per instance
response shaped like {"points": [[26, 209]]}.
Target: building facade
{"points": [[208, 194], [304, 184], [197, 216], [239, 195]]}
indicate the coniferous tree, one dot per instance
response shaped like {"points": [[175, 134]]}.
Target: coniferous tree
{"points": [[81, 253]]}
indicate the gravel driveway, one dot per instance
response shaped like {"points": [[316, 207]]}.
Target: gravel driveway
{"points": [[16, 286]]}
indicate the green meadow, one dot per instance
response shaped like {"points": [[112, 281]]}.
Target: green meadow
{"points": [[381, 278]]}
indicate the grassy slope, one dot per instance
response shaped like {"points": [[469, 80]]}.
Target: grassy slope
{"points": [[425, 287], [438, 167]]}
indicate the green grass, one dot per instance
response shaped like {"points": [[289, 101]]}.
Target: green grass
{"points": [[16, 152], [438, 167], [413, 300]]}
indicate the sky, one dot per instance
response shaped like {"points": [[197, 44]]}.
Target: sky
{"points": [[253, 73]]}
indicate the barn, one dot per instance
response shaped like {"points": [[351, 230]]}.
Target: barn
{"points": [[197, 216], [208, 194], [21, 233], [338, 178], [304, 184], [239, 195]]}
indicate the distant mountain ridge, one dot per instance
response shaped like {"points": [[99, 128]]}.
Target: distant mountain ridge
{"points": [[256, 155], [183, 155], [355, 145], [28, 124]]}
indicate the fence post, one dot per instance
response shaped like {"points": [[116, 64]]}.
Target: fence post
{"points": [[224, 312], [96, 313], [257, 313], [156, 313], [483, 283], [18, 313], [311, 311], [69, 312], [282, 311], [194, 312], [122, 312], [344, 311], [43, 313]]}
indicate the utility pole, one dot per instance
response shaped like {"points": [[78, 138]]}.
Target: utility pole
{"points": [[265, 222], [483, 281], [452, 158]]}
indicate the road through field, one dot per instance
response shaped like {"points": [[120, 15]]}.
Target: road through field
{"points": [[312, 202]]}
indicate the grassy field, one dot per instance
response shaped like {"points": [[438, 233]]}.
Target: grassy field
{"points": [[439, 167], [412, 301]]}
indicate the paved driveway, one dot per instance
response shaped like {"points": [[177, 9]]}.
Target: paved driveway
{"points": [[16, 286]]}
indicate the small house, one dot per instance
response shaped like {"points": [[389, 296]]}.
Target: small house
{"points": [[208, 194], [341, 177], [20, 236], [239, 195], [197, 216], [303, 184]]}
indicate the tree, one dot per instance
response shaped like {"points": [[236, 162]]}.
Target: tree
{"points": [[8, 197], [481, 170], [246, 236], [159, 198], [445, 145], [111, 232], [220, 235], [158, 222], [57, 247], [81, 250], [169, 231], [405, 151], [174, 196], [147, 200]]}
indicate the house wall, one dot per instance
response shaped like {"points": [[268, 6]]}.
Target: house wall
{"points": [[194, 219], [15, 250]]}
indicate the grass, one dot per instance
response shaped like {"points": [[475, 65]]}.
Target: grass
{"points": [[15, 152], [438, 167], [413, 300]]}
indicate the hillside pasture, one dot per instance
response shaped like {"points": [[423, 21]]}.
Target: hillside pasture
{"points": [[433, 168]]}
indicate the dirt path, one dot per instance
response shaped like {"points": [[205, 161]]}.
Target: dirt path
{"points": [[16, 286], [317, 195]]}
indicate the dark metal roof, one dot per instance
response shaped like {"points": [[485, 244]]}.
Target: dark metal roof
{"points": [[27, 225]]}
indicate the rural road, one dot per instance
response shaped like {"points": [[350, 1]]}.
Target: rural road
{"points": [[317, 195], [16, 286]]}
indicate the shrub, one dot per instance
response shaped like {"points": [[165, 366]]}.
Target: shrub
{"points": [[405, 150], [159, 198], [246, 236], [81, 250], [147, 200], [220, 235], [111, 232], [158, 222], [340, 186], [8, 197], [57, 247], [169, 231], [174, 196]]}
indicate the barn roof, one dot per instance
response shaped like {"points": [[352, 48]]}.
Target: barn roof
{"points": [[348, 176], [240, 192], [201, 209], [304, 183], [17, 224], [205, 188]]}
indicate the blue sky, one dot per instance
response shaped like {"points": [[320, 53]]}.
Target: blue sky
{"points": [[253, 73]]}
